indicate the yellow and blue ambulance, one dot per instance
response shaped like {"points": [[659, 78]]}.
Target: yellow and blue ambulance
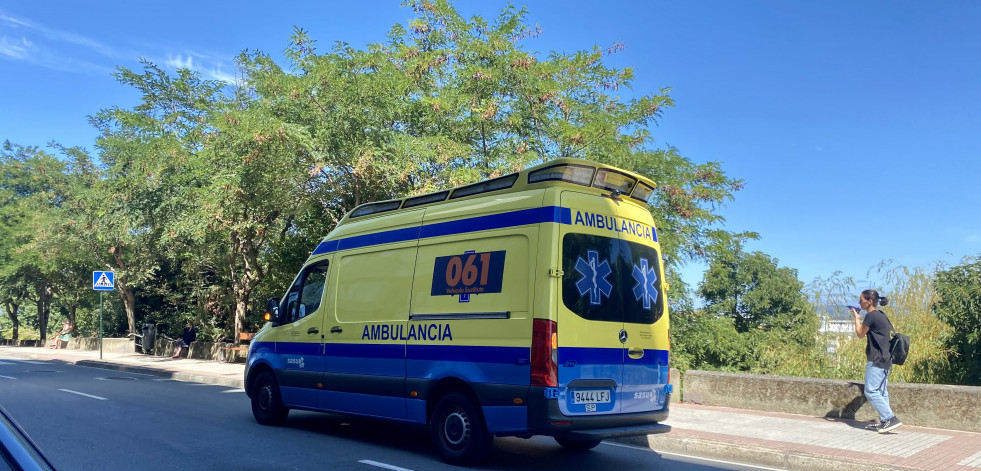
{"points": [[528, 304]]}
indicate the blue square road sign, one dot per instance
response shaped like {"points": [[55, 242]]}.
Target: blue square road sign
{"points": [[103, 280]]}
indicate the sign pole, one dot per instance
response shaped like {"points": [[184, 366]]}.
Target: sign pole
{"points": [[100, 325], [102, 281]]}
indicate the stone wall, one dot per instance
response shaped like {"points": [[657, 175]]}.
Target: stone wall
{"points": [[926, 405]]}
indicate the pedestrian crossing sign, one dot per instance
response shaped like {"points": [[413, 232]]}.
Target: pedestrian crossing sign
{"points": [[103, 280]]}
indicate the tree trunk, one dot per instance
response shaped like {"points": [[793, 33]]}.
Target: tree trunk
{"points": [[11, 309], [129, 303], [125, 291], [43, 310], [241, 306], [71, 316]]}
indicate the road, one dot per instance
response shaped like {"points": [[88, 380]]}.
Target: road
{"points": [[93, 419]]}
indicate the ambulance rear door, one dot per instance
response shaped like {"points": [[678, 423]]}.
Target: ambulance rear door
{"points": [[590, 323], [643, 306]]}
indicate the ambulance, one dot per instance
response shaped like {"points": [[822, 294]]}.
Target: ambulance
{"points": [[528, 304]]}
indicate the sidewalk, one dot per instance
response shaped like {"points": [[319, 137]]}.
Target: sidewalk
{"points": [[782, 441]]}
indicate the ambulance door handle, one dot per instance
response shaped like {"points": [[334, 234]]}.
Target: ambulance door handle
{"points": [[336, 330], [313, 330], [636, 353]]}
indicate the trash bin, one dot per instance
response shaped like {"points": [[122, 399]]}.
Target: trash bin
{"points": [[149, 336]]}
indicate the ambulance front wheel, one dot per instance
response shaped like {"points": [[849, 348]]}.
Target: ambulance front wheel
{"points": [[458, 430], [267, 404], [577, 445]]}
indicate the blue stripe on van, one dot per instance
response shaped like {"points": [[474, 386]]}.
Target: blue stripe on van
{"points": [[510, 355], [297, 348], [498, 365], [522, 217]]}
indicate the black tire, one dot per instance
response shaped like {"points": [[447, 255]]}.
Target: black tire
{"points": [[577, 445], [267, 404], [458, 430]]}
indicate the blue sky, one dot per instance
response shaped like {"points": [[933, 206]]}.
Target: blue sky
{"points": [[855, 125]]}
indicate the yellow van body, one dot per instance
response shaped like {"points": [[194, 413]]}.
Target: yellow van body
{"points": [[530, 304]]}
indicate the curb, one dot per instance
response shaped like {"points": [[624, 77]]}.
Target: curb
{"points": [[175, 375], [789, 460]]}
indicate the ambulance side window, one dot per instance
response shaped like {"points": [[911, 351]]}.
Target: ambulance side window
{"points": [[307, 292]]}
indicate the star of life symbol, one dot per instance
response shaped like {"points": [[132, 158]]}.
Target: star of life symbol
{"points": [[646, 288], [593, 281]]}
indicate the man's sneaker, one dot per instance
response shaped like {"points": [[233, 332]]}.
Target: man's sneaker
{"points": [[890, 424], [874, 426]]}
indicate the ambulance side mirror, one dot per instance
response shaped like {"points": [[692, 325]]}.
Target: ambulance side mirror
{"points": [[272, 311]]}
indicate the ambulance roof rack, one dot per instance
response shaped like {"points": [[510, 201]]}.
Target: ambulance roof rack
{"points": [[576, 171]]}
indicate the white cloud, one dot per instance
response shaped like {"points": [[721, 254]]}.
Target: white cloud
{"points": [[202, 64], [179, 62], [58, 36], [27, 41], [15, 49], [219, 74], [45, 47]]}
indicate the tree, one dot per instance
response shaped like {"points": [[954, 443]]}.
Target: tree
{"points": [[451, 100], [959, 306], [758, 294], [130, 212], [33, 184]]}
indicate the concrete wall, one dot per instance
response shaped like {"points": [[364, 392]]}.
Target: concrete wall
{"points": [[116, 345], [217, 351], [926, 405]]}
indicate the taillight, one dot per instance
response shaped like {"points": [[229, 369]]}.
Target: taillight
{"points": [[544, 353]]}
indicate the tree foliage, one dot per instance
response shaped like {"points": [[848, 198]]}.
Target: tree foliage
{"points": [[958, 290], [205, 197], [757, 294]]}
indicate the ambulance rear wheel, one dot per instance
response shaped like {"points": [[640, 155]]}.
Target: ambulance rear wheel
{"points": [[267, 403], [458, 430], [577, 445]]}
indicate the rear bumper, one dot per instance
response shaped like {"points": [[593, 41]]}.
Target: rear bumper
{"points": [[545, 418], [615, 432]]}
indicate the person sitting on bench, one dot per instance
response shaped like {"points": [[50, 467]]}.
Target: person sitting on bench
{"points": [[187, 337]]}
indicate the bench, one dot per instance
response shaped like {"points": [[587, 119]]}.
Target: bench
{"points": [[242, 337]]}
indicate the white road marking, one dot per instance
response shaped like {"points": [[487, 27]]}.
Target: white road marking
{"points": [[83, 394], [234, 391], [700, 458], [8, 377], [115, 378], [383, 465], [6, 363]]}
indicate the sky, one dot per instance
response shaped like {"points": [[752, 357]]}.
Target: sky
{"points": [[855, 126]]}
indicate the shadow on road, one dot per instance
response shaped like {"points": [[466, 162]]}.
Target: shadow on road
{"points": [[508, 453]]}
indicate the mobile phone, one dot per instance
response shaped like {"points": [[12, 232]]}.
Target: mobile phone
{"points": [[855, 308]]}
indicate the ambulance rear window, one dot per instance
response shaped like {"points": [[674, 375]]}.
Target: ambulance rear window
{"points": [[612, 280]]}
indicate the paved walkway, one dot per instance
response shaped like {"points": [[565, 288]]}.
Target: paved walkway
{"points": [[777, 440]]}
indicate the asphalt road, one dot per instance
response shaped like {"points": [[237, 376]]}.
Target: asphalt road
{"points": [[94, 419]]}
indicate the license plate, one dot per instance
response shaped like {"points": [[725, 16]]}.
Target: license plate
{"points": [[591, 396]]}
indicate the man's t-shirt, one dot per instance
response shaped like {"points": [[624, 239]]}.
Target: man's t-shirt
{"points": [[877, 348]]}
